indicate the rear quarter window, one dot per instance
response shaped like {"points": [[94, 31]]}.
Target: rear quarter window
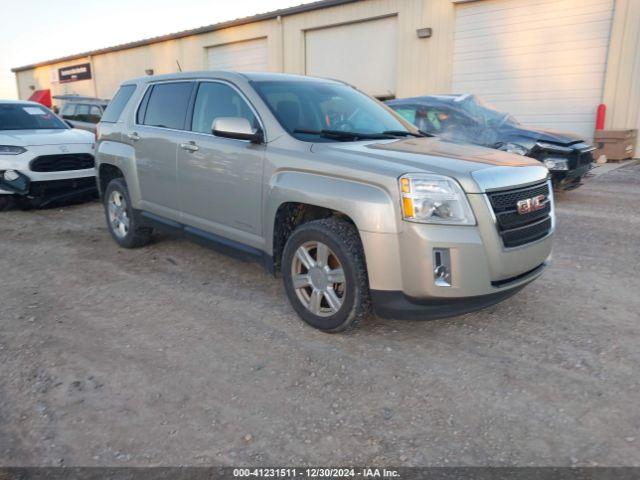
{"points": [[116, 106]]}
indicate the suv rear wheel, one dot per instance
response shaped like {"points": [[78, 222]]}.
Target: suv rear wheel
{"points": [[122, 220], [325, 274]]}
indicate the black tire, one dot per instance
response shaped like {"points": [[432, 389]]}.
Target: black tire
{"points": [[7, 202], [343, 240], [137, 235]]}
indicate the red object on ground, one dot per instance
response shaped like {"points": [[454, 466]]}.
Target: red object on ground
{"points": [[602, 111], [43, 97]]}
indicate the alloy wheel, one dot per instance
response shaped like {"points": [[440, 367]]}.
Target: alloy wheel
{"points": [[318, 278], [118, 216]]}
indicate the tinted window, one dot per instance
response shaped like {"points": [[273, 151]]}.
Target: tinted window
{"points": [[216, 100], [69, 111], [143, 106], [168, 104], [25, 116], [117, 104]]}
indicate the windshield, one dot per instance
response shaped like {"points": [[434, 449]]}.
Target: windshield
{"points": [[460, 119], [321, 111], [17, 116], [485, 112]]}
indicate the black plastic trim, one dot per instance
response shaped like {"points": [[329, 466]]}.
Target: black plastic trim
{"points": [[397, 305], [211, 240]]}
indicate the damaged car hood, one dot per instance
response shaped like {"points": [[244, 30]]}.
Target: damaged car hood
{"points": [[28, 138]]}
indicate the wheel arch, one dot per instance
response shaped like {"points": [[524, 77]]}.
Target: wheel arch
{"points": [[117, 160], [295, 198]]}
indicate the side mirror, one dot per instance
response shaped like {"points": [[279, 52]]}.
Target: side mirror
{"points": [[236, 127]]}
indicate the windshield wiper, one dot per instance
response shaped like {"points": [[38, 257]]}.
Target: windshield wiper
{"points": [[405, 133], [342, 135]]}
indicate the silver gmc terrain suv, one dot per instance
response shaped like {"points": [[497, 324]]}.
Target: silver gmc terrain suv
{"points": [[357, 209]]}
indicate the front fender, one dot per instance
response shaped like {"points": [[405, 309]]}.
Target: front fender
{"points": [[370, 207]]}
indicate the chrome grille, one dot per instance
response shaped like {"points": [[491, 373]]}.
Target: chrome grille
{"points": [[519, 229]]}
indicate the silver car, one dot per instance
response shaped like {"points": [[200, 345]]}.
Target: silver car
{"points": [[82, 112], [358, 210]]}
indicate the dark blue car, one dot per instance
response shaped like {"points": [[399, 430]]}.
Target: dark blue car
{"points": [[468, 119]]}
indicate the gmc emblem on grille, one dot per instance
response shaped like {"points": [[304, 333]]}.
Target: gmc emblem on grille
{"points": [[529, 205]]}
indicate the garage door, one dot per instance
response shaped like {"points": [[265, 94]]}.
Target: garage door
{"points": [[541, 60], [363, 54], [248, 56]]}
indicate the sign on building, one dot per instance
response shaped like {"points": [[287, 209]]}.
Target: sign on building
{"points": [[74, 73]]}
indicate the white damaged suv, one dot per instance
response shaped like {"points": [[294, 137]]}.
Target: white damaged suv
{"points": [[42, 159]]}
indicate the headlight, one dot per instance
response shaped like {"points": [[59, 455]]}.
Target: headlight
{"points": [[556, 163], [428, 198], [514, 148], [11, 150]]}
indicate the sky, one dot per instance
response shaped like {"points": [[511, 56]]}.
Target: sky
{"points": [[37, 30]]}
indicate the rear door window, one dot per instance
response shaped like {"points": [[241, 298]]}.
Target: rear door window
{"points": [[117, 104], [168, 104]]}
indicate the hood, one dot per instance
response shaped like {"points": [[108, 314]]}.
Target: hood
{"points": [[462, 162], [513, 133], [30, 138]]}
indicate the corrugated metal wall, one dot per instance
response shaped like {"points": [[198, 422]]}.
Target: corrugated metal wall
{"points": [[423, 66], [622, 81]]}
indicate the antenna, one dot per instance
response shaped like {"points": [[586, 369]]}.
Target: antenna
{"points": [[179, 67]]}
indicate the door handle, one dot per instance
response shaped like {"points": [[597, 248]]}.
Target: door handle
{"points": [[133, 136], [189, 147]]}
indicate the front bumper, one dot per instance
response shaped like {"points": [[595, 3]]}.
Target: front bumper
{"points": [[41, 193], [579, 158], [393, 304], [45, 184], [568, 178], [402, 266]]}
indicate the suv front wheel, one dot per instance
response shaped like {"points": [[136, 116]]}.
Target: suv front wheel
{"points": [[122, 219], [325, 274]]}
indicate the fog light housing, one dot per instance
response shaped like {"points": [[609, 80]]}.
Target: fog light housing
{"points": [[11, 175], [442, 267]]}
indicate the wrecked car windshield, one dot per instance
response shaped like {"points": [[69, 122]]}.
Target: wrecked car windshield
{"points": [[484, 111], [462, 119], [16, 116], [327, 112]]}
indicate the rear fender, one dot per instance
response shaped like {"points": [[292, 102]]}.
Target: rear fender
{"points": [[122, 156]]}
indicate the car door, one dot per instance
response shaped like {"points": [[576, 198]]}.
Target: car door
{"points": [[155, 135], [220, 179]]}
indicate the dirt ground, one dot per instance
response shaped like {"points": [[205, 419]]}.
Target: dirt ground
{"points": [[175, 354]]}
